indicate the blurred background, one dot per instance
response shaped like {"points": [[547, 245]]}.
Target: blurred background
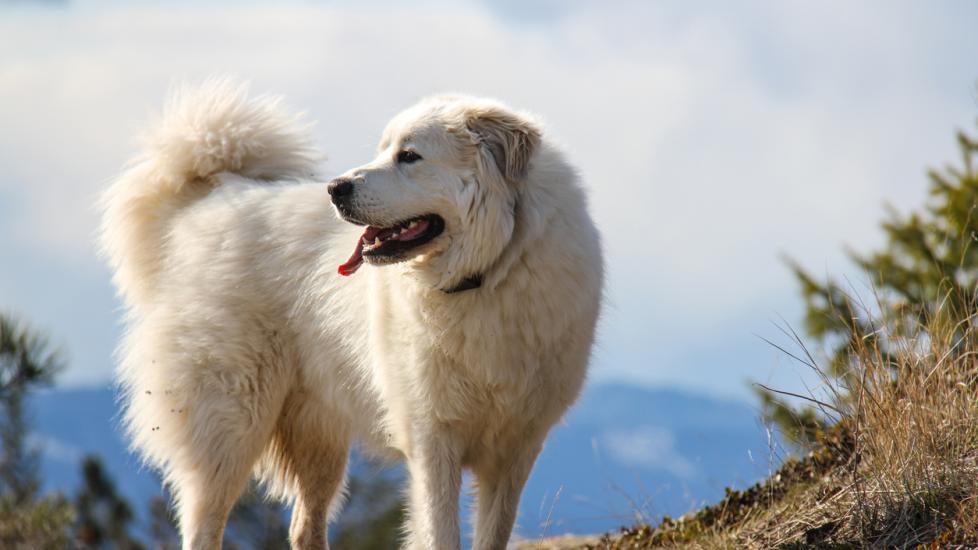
{"points": [[714, 139]]}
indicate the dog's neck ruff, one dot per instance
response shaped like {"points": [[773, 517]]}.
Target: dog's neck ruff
{"points": [[468, 283]]}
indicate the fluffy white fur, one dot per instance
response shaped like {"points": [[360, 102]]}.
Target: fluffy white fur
{"points": [[246, 353]]}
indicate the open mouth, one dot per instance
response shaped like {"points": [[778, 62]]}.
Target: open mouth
{"points": [[390, 244]]}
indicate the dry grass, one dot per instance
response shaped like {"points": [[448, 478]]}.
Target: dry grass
{"points": [[915, 419], [899, 470]]}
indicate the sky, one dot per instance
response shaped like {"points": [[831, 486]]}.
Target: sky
{"points": [[713, 137]]}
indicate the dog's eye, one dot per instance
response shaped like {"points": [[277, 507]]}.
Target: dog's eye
{"points": [[407, 157]]}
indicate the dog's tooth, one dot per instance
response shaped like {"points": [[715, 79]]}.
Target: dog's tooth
{"points": [[366, 241], [376, 241], [413, 224], [395, 234]]}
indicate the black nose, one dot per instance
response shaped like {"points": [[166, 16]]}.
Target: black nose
{"points": [[339, 188]]}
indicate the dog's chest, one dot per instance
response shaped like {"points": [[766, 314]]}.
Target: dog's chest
{"points": [[466, 361]]}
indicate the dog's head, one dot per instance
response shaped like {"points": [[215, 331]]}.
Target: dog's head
{"points": [[443, 189]]}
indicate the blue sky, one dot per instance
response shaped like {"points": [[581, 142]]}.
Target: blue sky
{"points": [[713, 138]]}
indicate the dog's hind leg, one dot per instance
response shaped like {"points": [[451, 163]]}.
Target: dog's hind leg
{"points": [[227, 421], [320, 496], [307, 462]]}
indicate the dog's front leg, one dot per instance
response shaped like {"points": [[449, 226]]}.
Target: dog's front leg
{"points": [[435, 468], [500, 478]]}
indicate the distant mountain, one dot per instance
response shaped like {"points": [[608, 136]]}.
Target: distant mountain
{"points": [[621, 452], [625, 452]]}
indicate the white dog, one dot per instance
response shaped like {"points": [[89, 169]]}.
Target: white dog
{"points": [[247, 353]]}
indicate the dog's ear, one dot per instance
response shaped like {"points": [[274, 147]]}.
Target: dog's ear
{"points": [[507, 137]]}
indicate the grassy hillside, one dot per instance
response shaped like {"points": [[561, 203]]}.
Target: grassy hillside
{"points": [[898, 470]]}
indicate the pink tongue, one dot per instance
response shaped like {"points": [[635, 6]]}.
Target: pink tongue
{"points": [[353, 264], [356, 259]]}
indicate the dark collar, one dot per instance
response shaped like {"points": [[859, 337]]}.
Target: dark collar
{"points": [[467, 283]]}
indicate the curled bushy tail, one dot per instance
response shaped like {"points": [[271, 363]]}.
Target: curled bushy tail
{"points": [[203, 131]]}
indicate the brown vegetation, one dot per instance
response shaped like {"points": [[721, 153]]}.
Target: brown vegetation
{"points": [[899, 470]]}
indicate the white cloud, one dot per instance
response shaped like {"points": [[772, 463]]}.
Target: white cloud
{"points": [[713, 138], [648, 447]]}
